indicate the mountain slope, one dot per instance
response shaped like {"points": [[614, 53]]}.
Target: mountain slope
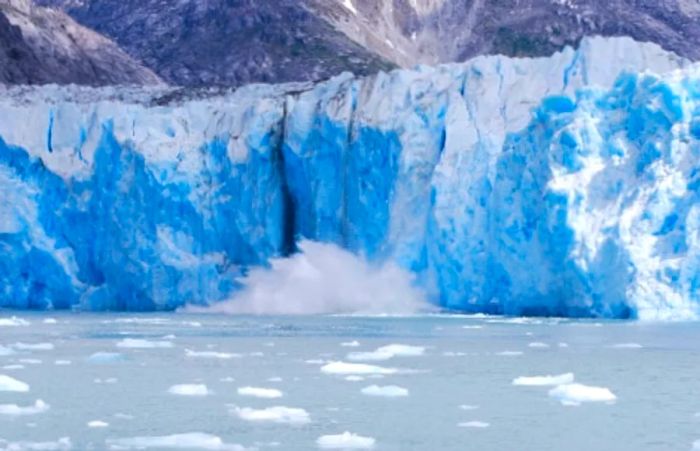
{"points": [[226, 42], [233, 42], [41, 45]]}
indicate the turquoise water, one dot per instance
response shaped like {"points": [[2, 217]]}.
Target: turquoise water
{"points": [[457, 382]]}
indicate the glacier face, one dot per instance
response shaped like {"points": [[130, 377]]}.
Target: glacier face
{"points": [[562, 185]]}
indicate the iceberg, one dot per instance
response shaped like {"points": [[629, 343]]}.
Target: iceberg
{"points": [[565, 185]]}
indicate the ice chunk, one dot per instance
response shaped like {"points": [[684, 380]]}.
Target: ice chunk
{"points": [[257, 392], [105, 357], [97, 424], [276, 414], [388, 352], [39, 406], [33, 346], [355, 368], [189, 440], [388, 391], [8, 383], [538, 381], [346, 440], [13, 321], [62, 444], [189, 390], [575, 394], [138, 343], [211, 354], [350, 344], [474, 424]]}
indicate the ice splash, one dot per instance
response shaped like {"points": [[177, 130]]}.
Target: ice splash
{"points": [[324, 278]]}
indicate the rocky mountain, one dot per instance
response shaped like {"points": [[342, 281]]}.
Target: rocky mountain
{"points": [[233, 42], [41, 45]]}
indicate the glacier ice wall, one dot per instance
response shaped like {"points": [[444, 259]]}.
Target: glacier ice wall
{"points": [[563, 185]]}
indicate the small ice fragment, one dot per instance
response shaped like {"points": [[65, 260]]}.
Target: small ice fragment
{"points": [[189, 390], [388, 352], [388, 391], [138, 343], [353, 378], [355, 368], [189, 441], [62, 444], [350, 344], [13, 321], [211, 354], [33, 346], [105, 357], [345, 441], [538, 344], [541, 381], [62, 362], [468, 407], [8, 383], [257, 392], [97, 424], [50, 321], [14, 410], [510, 353], [628, 346], [276, 414], [474, 424], [575, 394]]}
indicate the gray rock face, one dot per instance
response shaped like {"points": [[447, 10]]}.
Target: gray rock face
{"points": [[40, 46], [232, 42], [226, 42]]}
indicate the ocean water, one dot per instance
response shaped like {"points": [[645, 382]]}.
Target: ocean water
{"points": [[183, 381]]}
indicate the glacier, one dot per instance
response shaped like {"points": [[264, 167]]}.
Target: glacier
{"points": [[565, 185]]}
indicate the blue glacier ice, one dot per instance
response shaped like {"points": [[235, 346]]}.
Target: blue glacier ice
{"points": [[565, 185]]}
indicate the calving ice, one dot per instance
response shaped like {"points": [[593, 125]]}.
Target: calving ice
{"points": [[565, 185]]}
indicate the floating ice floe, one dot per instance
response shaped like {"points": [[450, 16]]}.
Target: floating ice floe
{"points": [[388, 352], [62, 362], [189, 440], [541, 381], [355, 368], [13, 367], [13, 321], [97, 424], [346, 440], [33, 346], [105, 357], [258, 392], [189, 390], [211, 354], [510, 353], [8, 383], [468, 407], [274, 379], [474, 424], [276, 414], [39, 406], [537, 344], [575, 394], [350, 344], [50, 321], [5, 351], [62, 444], [138, 343], [354, 378], [31, 361], [627, 346], [387, 391]]}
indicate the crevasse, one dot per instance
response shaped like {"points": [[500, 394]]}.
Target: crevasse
{"points": [[552, 186]]}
